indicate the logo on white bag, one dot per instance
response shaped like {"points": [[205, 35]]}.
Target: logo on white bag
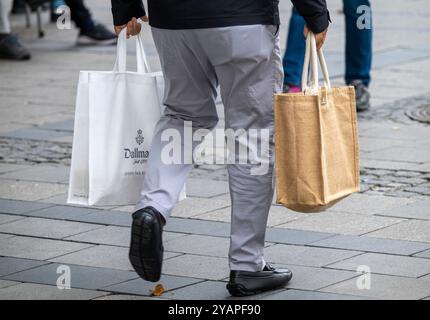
{"points": [[139, 138]]}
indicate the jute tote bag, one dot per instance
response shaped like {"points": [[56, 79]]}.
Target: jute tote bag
{"points": [[316, 141]]}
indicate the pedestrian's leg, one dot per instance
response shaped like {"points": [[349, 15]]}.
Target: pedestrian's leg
{"points": [[80, 14], [358, 52], [295, 52], [190, 91], [248, 63], [5, 8]]}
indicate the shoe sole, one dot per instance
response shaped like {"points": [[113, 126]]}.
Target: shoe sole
{"points": [[145, 250], [239, 290]]}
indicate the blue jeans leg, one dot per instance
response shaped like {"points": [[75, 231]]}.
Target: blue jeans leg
{"points": [[294, 55], [358, 53]]}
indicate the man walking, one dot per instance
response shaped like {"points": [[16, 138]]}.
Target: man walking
{"points": [[203, 44]]}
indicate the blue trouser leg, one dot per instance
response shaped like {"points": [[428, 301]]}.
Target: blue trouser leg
{"points": [[294, 55], [358, 53]]}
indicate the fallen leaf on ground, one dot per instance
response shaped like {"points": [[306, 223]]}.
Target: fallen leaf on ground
{"points": [[158, 290]]}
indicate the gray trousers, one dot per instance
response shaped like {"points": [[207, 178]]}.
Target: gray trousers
{"points": [[5, 8], [246, 62]]}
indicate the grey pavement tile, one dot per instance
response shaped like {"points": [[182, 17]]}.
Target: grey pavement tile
{"points": [[193, 206], [294, 294], [365, 204], [19, 207], [104, 257], [397, 132], [125, 297], [36, 134], [299, 237], [206, 188], [116, 218], [386, 264], [385, 164], [372, 244], [305, 256], [29, 190], [43, 173], [341, 223], [373, 144], [38, 249], [32, 291], [65, 125], [202, 267], [195, 226], [4, 236], [141, 287], [46, 228], [425, 167], [418, 155], [9, 265], [423, 254], [81, 277], [62, 212], [311, 278], [201, 245], [277, 215], [410, 230], [207, 290], [6, 283], [416, 210], [384, 287], [109, 235], [10, 167], [5, 218], [57, 199]]}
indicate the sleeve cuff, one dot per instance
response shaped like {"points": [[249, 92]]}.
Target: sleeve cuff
{"points": [[319, 23], [124, 12]]}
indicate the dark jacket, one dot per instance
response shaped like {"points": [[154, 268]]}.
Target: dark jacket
{"points": [[196, 14]]}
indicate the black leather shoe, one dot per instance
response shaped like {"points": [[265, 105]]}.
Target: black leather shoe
{"points": [[246, 283], [146, 245]]}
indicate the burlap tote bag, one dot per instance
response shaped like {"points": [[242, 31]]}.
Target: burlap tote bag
{"points": [[316, 141]]}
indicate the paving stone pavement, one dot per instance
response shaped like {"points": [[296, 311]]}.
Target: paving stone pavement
{"points": [[384, 228]]}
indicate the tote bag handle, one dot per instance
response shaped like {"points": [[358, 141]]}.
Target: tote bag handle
{"points": [[312, 55], [121, 54]]}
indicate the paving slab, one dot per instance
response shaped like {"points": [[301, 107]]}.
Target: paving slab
{"points": [[201, 245], [10, 167], [141, 287], [125, 297], [423, 254], [57, 199], [411, 230], [305, 256], [314, 278], [62, 212], [299, 237], [341, 223], [277, 215], [36, 248], [65, 125], [81, 277], [193, 206], [414, 155], [19, 207], [390, 165], [105, 217], [28, 190], [102, 256], [35, 134], [386, 264], [206, 188], [367, 205], [372, 244], [31, 291], [195, 226], [202, 267], [374, 144], [109, 235], [46, 228], [294, 294], [416, 210], [6, 218], [10, 265], [42, 173], [6, 283], [385, 287]]}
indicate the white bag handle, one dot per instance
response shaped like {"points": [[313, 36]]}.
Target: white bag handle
{"points": [[312, 57], [121, 54]]}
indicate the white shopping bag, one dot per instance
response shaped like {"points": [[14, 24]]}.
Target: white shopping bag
{"points": [[116, 113]]}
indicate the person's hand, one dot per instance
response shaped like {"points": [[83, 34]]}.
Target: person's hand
{"points": [[133, 27], [319, 37]]}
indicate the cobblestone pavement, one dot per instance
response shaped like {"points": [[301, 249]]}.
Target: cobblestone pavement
{"points": [[385, 227]]}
